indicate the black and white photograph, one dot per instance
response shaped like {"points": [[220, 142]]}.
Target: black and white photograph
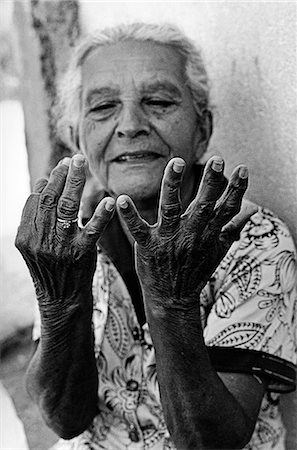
{"points": [[148, 225]]}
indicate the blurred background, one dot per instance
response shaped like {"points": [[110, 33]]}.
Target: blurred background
{"points": [[250, 54]]}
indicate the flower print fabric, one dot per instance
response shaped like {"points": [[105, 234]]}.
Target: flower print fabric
{"points": [[248, 305], [254, 292]]}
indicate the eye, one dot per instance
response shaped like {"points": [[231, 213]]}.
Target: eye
{"points": [[103, 110], [103, 107], [159, 103]]}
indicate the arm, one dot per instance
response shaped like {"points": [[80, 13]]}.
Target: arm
{"points": [[62, 377], [202, 409], [175, 258]]}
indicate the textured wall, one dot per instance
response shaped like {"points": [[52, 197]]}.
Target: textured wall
{"points": [[253, 69], [250, 52]]}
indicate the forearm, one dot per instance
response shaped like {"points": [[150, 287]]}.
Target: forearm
{"points": [[175, 257], [61, 258], [62, 377], [199, 410]]}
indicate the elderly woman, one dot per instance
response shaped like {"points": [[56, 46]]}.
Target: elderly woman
{"points": [[186, 343]]}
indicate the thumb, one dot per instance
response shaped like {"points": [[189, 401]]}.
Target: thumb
{"points": [[231, 231]]}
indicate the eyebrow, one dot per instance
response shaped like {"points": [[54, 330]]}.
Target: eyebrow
{"points": [[146, 88], [103, 92], [161, 86]]}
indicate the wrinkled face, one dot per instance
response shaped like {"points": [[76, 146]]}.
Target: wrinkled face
{"points": [[137, 113]]}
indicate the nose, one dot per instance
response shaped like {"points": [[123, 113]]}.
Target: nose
{"points": [[132, 122]]}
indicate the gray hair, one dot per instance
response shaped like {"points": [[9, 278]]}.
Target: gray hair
{"points": [[70, 88]]}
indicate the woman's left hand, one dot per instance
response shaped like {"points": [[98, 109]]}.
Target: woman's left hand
{"points": [[177, 256]]}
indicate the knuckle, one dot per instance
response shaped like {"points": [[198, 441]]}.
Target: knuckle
{"points": [[139, 231], [58, 175], [29, 207], [59, 171], [23, 244], [67, 207], [92, 233], [172, 211], [76, 182], [204, 209], [232, 207], [171, 183], [213, 178], [95, 225], [92, 230], [39, 184], [48, 198], [172, 198], [20, 242], [130, 217], [238, 184], [134, 224]]}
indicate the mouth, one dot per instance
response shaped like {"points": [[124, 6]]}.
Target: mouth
{"points": [[137, 157]]}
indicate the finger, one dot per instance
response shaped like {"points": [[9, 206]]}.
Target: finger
{"points": [[68, 204], [54, 187], [210, 190], [139, 228], [230, 203], [28, 217], [97, 224], [231, 231], [39, 185], [170, 203]]}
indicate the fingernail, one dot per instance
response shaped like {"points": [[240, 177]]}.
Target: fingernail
{"points": [[65, 161], [178, 166], [217, 165], [243, 172], [78, 160], [123, 203], [109, 205]]}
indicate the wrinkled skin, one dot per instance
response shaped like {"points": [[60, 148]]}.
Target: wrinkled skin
{"points": [[191, 243], [177, 255], [175, 258], [61, 260], [62, 263]]}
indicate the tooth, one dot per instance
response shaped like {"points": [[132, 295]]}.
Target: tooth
{"points": [[133, 157]]}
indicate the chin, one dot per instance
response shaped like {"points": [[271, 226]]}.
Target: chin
{"points": [[139, 192], [140, 182]]}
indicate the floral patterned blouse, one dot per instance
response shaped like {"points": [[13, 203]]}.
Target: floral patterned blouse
{"points": [[249, 314]]}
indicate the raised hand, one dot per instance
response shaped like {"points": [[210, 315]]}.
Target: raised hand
{"points": [[177, 256], [61, 256]]}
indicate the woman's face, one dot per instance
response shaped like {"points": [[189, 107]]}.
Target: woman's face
{"points": [[137, 113]]}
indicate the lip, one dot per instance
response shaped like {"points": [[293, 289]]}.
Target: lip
{"points": [[136, 157]]}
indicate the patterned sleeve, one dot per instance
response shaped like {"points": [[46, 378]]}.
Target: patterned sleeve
{"points": [[251, 326]]}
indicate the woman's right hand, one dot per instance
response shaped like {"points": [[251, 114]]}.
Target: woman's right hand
{"points": [[61, 257]]}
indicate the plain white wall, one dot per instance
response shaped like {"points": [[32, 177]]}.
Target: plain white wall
{"points": [[250, 53]]}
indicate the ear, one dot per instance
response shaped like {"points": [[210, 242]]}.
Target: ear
{"points": [[74, 139], [205, 129]]}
